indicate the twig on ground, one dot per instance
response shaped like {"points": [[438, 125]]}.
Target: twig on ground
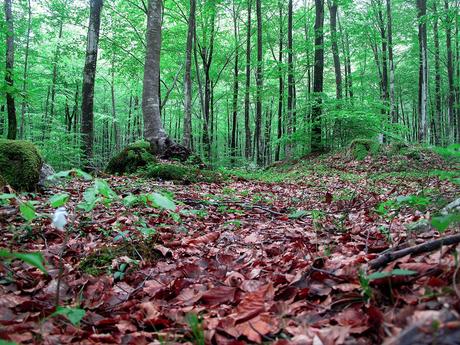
{"points": [[386, 258]]}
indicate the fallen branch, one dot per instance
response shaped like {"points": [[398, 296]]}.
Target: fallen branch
{"points": [[386, 258]]}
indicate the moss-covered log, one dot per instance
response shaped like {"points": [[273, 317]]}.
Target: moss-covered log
{"points": [[20, 164]]}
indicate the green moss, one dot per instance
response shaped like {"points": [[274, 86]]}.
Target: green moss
{"points": [[183, 173], [20, 164], [132, 158], [361, 148]]}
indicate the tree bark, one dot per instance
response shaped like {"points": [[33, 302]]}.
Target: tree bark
{"points": [[9, 67], [281, 84], [290, 100], [89, 74], [450, 70], [187, 140], [259, 84], [247, 127], [333, 7], [393, 109], [318, 78], [26, 66], [423, 71], [437, 68], [233, 143]]}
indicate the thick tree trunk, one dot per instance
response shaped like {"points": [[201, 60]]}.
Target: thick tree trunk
{"points": [[335, 48], [423, 71], [259, 84], [26, 67], [153, 128], [318, 77], [247, 127], [9, 67], [154, 131], [187, 140], [89, 74]]}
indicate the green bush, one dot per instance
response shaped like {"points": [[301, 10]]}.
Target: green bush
{"points": [[20, 164], [361, 148], [132, 158]]}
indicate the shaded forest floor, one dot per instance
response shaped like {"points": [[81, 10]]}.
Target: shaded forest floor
{"points": [[276, 256]]}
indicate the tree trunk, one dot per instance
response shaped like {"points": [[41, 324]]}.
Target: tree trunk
{"points": [[259, 84], [116, 133], [55, 71], [335, 49], [383, 38], [450, 70], [247, 127], [187, 140], [154, 132], [89, 74], [9, 68], [26, 66], [437, 68], [318, 77], [393, 112], [233, 142], [281, 84], [290, 100], [423, 71]]}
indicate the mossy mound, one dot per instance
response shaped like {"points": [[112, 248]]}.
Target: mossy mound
{"points": [[182, 173], [102, 259], [132, 158], [361, 148], [20, 164]]}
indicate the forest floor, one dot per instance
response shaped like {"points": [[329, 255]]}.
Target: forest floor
{"points": [[278, 256]]}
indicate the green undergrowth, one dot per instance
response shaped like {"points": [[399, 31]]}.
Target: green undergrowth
{"points": [[181, 173]]}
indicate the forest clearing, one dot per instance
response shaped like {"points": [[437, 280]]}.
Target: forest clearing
{"points": [[230, 172]]}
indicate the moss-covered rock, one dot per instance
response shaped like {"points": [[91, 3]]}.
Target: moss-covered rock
{"points": [[132, 158], [20, 164], [182, 173], [361, 148]]}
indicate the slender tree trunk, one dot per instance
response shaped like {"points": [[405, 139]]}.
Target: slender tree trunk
{"points": [[423, 71], [290, 100], [281, 84], [318, 77], [383, 38], [335, 48], [450, 70], [89, 74], [437, 68], [187, 140], [393, 108], [247, 127], [9, 68], [26, 66], [55, 71], [259, 83], [116, 132], [233, 143]]}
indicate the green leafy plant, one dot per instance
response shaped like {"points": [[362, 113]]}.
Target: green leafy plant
{"points": [[34, 259], [74, 315]]}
